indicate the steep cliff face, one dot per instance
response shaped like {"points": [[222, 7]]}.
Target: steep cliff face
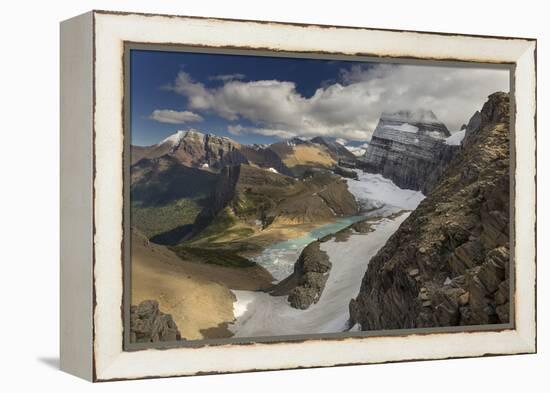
{"points": [[409, 148], [222, 195], [448, 263]]}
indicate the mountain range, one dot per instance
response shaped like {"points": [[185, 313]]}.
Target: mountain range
{"points": [[193, 179], [189, 180], [195, 149]]}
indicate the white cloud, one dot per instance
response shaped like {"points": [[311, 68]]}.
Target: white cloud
{"points": [[350, 108], [226, 77], [341, 141], [241, 130], [174, 117]]}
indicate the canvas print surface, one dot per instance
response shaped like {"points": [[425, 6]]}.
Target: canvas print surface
{"points": [[278, 196]]}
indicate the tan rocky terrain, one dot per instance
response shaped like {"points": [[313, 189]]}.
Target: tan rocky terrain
{"points": [[299, 155], [448, 263], [196, 295]]}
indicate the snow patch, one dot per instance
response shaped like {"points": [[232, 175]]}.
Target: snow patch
{"points": [[357, 151], [260, 314], [176, 138], [435, 134], [374, 191], [341, 141], [405, 127], [173, 139], [456, 138]]}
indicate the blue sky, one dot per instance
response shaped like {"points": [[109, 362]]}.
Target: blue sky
{"points": [[256, 99], [151, 71]]}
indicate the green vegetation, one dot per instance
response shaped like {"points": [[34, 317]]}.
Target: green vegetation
{"points": [[216, 256], [160, 182], [219, 226], [154, 220]]}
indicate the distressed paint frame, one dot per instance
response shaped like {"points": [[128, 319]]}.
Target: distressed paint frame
{"points": [[111, 31]]}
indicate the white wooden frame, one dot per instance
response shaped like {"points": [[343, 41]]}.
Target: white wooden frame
{"points": [[92, 194]]}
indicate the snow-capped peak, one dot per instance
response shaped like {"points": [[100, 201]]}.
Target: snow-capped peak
{"points": [[341, 141], [176, 138]]}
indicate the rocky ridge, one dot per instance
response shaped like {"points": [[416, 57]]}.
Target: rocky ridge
{"points": [[448, 263], [247, 195]]}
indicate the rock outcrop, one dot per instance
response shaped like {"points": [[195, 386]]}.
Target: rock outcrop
{"points": [[307, 282], [448, 263], [345, 172], [409, 148], [149, 325]]}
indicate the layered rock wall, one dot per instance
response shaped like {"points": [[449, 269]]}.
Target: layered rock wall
{"points": [[411, 153], [449, 262]]}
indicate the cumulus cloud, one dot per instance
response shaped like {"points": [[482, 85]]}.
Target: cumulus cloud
{"points": [[175, 117], [226, 77], [240, 130], [349, 108]]}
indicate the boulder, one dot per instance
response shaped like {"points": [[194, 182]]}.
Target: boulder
{"points": [[148, 324], [310, 275]]}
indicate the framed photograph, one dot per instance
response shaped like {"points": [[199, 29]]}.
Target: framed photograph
{"points": [[246, 195]]}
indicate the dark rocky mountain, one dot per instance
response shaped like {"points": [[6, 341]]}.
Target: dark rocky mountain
{"points": [[247, 196], [409, 148], [209, 152], [448, 263], [194, 149], [157, 181], [148, 324]]}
